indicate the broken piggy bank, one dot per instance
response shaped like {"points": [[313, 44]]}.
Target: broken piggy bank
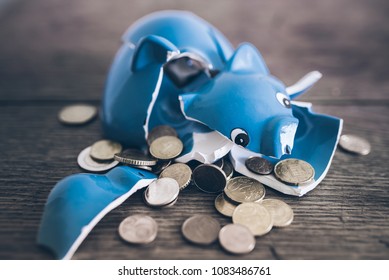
{"points": [[175, 69]]}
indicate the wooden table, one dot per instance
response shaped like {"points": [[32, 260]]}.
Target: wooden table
{"points": [[55, 53]]}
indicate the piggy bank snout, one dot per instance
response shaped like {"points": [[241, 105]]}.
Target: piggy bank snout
{"points": [[278, 137]]}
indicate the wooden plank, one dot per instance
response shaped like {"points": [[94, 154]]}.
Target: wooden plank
{"points": [[345, 217], [62, 51]]}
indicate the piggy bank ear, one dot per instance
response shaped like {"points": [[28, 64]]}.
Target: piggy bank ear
{"points": [[151, 49], [247, 59], [304, 84]]}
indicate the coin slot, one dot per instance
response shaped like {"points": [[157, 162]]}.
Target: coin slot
{"points": [[142, 175]]}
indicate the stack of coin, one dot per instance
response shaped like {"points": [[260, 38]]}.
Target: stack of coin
{"points": [[99, 157], [136, 158]]}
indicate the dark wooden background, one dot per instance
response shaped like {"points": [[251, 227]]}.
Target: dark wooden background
{"points": [[55, 53]]}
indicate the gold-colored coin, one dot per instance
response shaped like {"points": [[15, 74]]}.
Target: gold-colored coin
{"points": [[223, 206], [294, 172], [105, 150], [254, 216], [159, 131], [244, 189], [180, 172], [281, 212], [166, 147]]}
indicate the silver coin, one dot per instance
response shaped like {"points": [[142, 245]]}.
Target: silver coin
{"points": [[161, 192], [281, 212], [244, 189], [77, 114], [236, 239], [209, 178], [145, 194], [259, 165], [294, 172], [138, 229], [201, 229], [223, 206], [354, 144], [254, 216], [180, 172], [159, 131], [135, 157], [228, 169], [105, 150], [166, 147], [87, 163]]}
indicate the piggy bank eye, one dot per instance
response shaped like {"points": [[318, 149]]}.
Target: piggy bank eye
{"points": [[283, 99], [240, 137]]}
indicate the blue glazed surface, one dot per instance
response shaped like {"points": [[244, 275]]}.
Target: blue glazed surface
{"points": [[76, 201]]}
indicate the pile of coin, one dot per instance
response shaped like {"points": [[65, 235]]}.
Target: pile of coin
{"points": [[99, 157], [241, 198]]}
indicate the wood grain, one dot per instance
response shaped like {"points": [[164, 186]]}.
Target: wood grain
{"points": [[54, 53]]}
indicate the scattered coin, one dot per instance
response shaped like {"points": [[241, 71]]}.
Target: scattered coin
{"points": [[105, 150], [236, 239], [259, 165], [161, 192], [294, 171], [201, 229], [166, 147], [135, 157], [281, 212], [354, 144], [254, 216], [77, 114], [228, 169], [209, 178], [180, 172], [223, 206], [244, 189], [87, 163], [138, 229], [159, 131]]}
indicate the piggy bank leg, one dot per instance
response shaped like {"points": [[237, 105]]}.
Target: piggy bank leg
{"points": [[78, 202]]}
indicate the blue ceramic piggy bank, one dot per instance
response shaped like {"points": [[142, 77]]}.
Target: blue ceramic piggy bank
{"points": [[175, 69]]}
